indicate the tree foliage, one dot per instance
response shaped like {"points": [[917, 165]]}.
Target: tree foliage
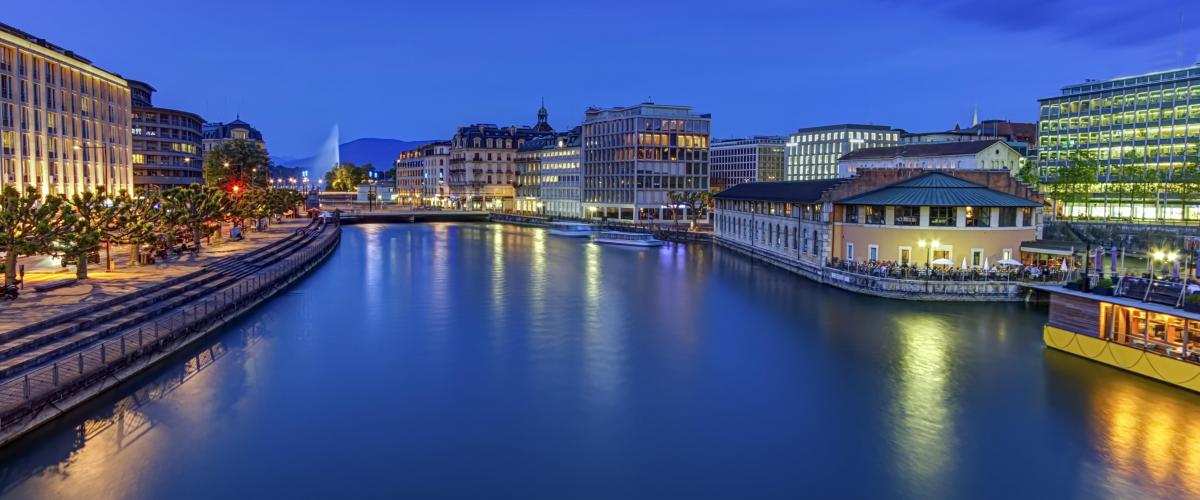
{"points": [[29, 225], [347, 176], [237, 161]]}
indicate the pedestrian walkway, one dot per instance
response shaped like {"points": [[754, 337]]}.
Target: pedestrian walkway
{"points": [[103, 285]]}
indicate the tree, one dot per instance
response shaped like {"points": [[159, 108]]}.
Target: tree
{"points": [[196, 208], [675, 198], [86, 216], [237, 162], [28, 225], [138, 224], [1030, 174], [347, 176]]}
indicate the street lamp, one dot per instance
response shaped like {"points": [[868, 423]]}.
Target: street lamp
{"points": [[929, 248]]}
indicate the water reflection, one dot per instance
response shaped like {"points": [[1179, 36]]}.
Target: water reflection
{"points": [[479, 357]]}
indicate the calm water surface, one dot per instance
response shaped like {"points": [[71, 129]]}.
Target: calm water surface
{"points": [[469, 361]]}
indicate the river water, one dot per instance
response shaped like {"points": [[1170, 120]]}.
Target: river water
{"points": [[475, 360]]}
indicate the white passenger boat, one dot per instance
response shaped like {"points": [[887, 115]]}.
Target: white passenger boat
{"points": [[571, 229], [627, 239]]}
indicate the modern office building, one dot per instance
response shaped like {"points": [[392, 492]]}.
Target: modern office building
{"points": [[632, 157], [167, 143], [812, 153], [64, 122], [752, 159], [219, 133], [1137, 128], [977, 155], [410, 177], [561, 176]]}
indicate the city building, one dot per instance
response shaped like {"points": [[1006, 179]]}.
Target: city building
{"points": [[812, 153], [905, 216], [1139, 130], [1021, 136], [632, 157], [561, 176], [411, 177], [753, 159], [482, 166], [220, 133], [167, 143], [435, 159], [978, 155], [64, 122], [527, 186]]}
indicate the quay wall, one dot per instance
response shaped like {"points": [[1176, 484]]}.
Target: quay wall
{"points": [[892, 288], [663, 233], [30, 401]]}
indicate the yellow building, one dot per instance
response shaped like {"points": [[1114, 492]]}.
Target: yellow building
{"points": [[930, 217], [64, 123]]}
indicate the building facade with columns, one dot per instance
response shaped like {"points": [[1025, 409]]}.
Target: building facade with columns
{"points": [[167, 143], [482, 169], [64, 122]]}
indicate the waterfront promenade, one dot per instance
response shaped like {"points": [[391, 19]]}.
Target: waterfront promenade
{"points": [[49, 366], [33, 306]]}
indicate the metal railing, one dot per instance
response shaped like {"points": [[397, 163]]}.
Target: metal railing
{"points": [[50, 382]]}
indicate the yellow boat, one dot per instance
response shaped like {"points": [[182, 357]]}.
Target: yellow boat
{"points": [[1129, 331]]}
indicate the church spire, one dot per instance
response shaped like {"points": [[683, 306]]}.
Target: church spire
{"points": [[543, 119]]}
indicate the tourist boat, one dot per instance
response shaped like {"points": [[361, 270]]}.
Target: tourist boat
{"points": [[1139, 328], [627, 239], [571, 229]]}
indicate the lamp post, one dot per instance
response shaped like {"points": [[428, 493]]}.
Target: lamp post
{"points": [[929, 248]]}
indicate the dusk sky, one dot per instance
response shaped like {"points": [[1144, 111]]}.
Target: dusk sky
{"points": [[415, 70]]}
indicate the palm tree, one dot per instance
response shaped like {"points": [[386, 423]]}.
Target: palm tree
{"points": [[28, 225]]}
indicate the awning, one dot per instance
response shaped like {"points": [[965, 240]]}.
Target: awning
{"points": [[1047, 250]]}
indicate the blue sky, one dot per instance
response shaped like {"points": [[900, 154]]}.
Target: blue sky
{"points": [[415, 70]]}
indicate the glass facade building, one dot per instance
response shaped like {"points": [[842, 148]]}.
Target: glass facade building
{"points": [[734, 161], [812, 153], [1141, 130], [632, 157]]}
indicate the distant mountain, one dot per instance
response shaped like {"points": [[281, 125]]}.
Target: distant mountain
{"points": [[379, 152]]}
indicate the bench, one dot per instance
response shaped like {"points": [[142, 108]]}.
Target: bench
{"points": [[54, 285]]}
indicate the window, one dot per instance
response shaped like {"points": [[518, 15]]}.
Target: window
{"points": [[907, 216], [852, 214], [1008, 216], [1006, 254], [1027, 216], [875, 215], [905, 255], [872, 252], [850, 251], [942, 216], [979, 216], [976, 257]]}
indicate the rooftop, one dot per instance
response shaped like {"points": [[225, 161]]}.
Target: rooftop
{"points": [[786, 191], [922, 150], [935, 189], [1169, 75], [843, 126]]}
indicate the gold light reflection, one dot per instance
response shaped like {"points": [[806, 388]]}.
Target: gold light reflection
{"points": [[1148, 437], [498, 309], [925, 432], [537, 278]]}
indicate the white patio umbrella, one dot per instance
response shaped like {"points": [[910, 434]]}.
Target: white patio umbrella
{"points": [[1009, 262], [964, 264], [1063, 267], [942, 262], [986, 267]]}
